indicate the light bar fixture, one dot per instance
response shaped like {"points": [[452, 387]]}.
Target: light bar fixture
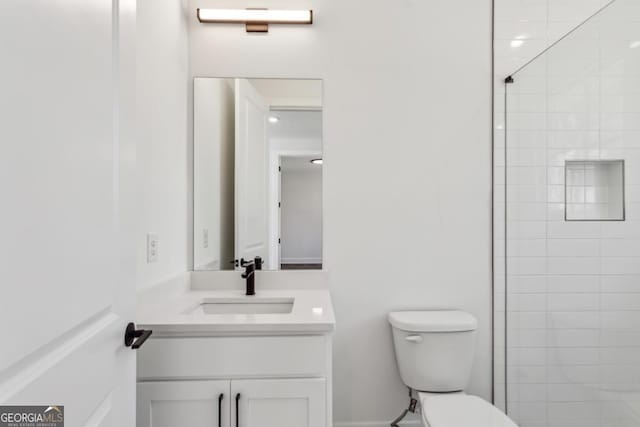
{"points": [[255, 20]]}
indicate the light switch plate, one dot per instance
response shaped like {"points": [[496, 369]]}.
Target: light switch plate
{"points": [[152, 247]]}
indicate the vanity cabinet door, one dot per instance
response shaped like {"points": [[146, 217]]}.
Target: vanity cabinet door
{"points": [[278, 403], [183, 403]]}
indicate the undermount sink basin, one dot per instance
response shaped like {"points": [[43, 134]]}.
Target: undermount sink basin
{"points": [[249, 305]]}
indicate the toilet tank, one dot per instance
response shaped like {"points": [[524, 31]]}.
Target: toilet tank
{"points": [[434, 349]]}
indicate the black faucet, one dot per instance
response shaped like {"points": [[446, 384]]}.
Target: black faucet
{"points": [[249, 274]]}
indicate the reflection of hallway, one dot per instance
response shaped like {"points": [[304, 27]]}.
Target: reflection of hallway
{"points": [[300, 214]]}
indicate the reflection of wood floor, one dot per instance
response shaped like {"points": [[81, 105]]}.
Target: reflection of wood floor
{"points": [[301, 267]]}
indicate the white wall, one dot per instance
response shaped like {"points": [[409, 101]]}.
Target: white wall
{"points": [[213, 182], [301, 214], [162, 137], [280, 93], [407, 173]]}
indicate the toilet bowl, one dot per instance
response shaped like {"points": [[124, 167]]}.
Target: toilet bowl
{"points": [[460, 410], [434, 351]]}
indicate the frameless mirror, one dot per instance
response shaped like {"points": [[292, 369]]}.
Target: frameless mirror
{"points": [[257, 173]]}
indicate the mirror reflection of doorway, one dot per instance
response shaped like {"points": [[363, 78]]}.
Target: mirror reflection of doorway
{"points": [[295, 188], [242, 129], [300, 213]]}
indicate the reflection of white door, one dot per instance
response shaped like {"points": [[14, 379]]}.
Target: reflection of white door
{"points": [[278, 227], [251, 172], [67, 220]]}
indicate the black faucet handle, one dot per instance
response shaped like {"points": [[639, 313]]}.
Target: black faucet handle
{"points": [[258, 262], [250, 268], [244, 262]]}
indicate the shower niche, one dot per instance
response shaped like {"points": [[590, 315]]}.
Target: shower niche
{"points": [[594, 190]]}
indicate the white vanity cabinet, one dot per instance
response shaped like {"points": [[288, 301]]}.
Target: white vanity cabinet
{"points": [[279, 403], [235, 381], [224, 403], [183, 403]]}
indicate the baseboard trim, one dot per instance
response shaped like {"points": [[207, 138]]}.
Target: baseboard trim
{"points": [[301, 261], [412, 423]]}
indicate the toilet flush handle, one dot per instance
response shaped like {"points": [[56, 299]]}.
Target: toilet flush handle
{"points": [[414, 338]]}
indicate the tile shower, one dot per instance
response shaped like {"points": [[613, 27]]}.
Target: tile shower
{"points": [[567, 235]]}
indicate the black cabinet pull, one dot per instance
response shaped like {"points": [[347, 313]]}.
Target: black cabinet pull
{"points": [[220, 409], [131, 333], [237, 410]]}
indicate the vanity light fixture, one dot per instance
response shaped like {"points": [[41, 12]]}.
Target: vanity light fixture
{"points": [[255, 20], [316, 161], [274, 119]]}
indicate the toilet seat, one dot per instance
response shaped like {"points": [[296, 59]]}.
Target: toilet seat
{"points": [[460, 410]]}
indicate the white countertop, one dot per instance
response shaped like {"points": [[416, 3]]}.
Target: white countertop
{"points": [[173, 314]]}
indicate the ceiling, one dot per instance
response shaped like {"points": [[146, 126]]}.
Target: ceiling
{"points": [[302, 163], [296, 125]]}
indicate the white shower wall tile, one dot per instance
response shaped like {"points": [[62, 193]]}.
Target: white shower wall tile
{"points": [[618, 319], [573, 247], [569, 302], [528, 356], [629, 229], [632, 194], [527, 284], [573, 284], [575, 356], [620, 283], [572, 11]]}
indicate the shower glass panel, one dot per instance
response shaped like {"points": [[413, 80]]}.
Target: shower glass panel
{"points": [[571, 327]]}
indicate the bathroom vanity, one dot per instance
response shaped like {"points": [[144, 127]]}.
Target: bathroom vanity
{"points": [[219, 358], [226, 357]]}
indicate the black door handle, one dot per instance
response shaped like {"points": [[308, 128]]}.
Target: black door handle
{"points": [[131, 333], [237, 410], [220, 409]]}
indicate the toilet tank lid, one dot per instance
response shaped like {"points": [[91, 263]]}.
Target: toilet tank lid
{"points": [[433, 321]]}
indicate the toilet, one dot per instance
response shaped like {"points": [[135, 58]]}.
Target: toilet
{"points": [[434, 352]]}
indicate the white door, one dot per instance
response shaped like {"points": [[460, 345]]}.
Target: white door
{"points": [[67, 255], [251, 173], [184, 403], [278, 403]]}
